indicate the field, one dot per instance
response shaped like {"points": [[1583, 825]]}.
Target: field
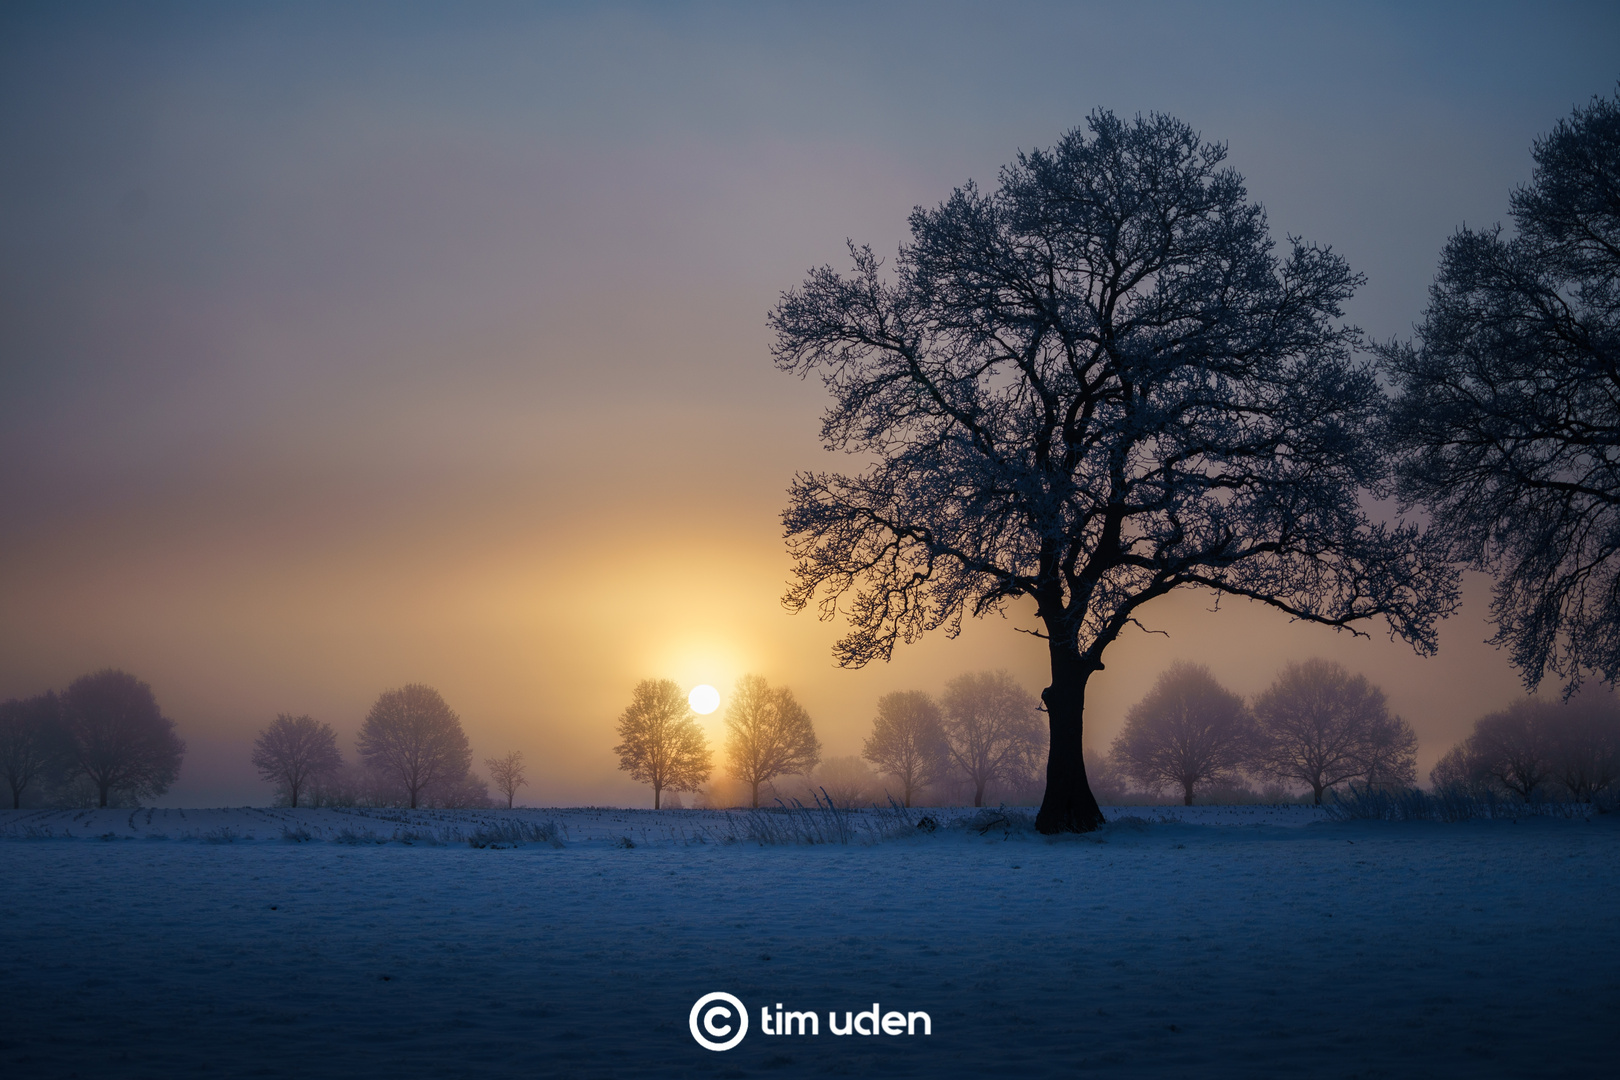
{"points": [[1243, 942]]}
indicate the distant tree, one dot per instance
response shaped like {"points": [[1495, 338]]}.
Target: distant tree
{"points": [[1320, 726], [662, 743], [293, 751], [1514, 747], [33, 745], [467, 791], [120, 740], [846, 782], [1188, 730], [769, 734], [1585, 744], [1389, 758], [908, 741], [1091, 387], [1108, 780], [1508, 416], [415, 740], [1458, 770], [992, 728], [507, 774]]}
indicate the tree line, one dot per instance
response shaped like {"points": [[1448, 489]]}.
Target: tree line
{"points": [[411, 752], [103, 741], [984, 736], [1320, 728]]}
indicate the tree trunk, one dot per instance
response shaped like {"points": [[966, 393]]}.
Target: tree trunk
{"points": [[978, 793], [294, 795], [1069, 805], [658, 794], [103, 788], [1316, 789], [755, 797], [1186, 799]]}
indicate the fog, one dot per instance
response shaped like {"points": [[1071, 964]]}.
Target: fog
{"points": [[348, 349]]}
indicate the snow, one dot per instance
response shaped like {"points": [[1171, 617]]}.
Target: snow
{"points": [[1216, 941]]}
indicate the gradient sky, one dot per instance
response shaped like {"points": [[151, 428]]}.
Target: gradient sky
{"points": [[343, 346]]}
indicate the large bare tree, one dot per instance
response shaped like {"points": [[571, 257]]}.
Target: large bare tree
{"points": [[1508, 417], [1321, 726], [1095, 385], [662, 743], [33, 745], [1188, 730], [908, 741], [414, 739], [294, 751], [992, 730], [769, 734], [121, 740]]}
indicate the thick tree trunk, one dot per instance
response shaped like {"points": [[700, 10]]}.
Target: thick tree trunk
{"points": [[658, 794], [1186, 799], [103, 788], [1069, 805], [754, 798], [295, 796], [1316, 789], [978, 794]]}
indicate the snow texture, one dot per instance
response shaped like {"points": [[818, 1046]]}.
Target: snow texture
{"points": [[1210, 941]]}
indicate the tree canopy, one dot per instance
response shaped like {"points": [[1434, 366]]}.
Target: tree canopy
{"points": [[1508, 416]]}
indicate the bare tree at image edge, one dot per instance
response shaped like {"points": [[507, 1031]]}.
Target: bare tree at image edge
{"points": [[33, 745], [412, 736], [506, 773], [662, 743], [294, 751], [1507, 420], [1090, 388]]}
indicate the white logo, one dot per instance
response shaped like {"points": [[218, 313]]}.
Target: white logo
{"points": [[714, 1021]]}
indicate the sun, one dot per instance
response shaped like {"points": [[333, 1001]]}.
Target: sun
{"points": [[704, 699]]}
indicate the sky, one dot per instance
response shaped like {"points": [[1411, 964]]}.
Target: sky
{"points": [[350, 345]]}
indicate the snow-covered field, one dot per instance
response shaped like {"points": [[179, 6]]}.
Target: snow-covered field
{"points": [[1241, 941]]}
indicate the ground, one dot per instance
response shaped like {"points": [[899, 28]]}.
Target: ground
{"points": [[1243, 942]]}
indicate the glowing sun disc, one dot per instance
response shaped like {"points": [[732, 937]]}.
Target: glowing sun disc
{"points": [[704, 699]]}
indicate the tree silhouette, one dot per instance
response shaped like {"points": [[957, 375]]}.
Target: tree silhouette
{"points": [[1320, 725], [120, 740], [769, 734], [1188, 730], [992, 729], [506, 773], [294, 751], [33, 745], [1092, 387], [414, 739], [908, 741], [662, 744], [1514, 746], [1508, 416]]}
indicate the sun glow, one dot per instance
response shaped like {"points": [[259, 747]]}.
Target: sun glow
{"points": [[704, 699]]}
